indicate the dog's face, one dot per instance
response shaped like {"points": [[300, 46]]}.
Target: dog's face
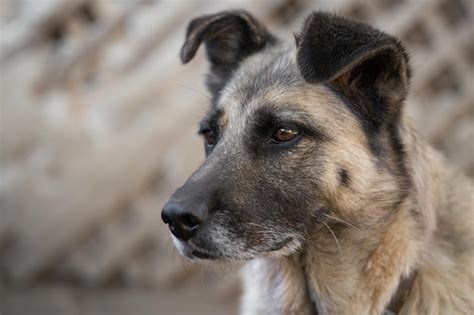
{"points": [[297, 134]]}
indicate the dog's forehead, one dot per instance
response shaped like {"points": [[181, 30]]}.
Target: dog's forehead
{"points": [[272, 78], [266, 75]]}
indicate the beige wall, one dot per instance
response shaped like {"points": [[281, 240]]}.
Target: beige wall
{"points": [[97, 128]]}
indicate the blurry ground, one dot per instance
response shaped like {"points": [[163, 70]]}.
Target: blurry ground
{"points": [[63, 300], [97, 128]]}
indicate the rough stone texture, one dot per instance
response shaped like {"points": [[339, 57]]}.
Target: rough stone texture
{"points": [[97, 128]]}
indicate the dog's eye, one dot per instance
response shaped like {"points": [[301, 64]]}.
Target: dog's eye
{"points": [[209, 137], [284, 135]]}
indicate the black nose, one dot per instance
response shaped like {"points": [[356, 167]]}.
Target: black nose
{"points": [[183, 220]]}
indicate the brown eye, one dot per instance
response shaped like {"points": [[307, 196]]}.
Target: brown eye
{"points": [[209, 137], [284, 135]]}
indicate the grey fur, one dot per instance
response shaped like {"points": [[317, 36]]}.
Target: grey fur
{"points": [[333, 219]]}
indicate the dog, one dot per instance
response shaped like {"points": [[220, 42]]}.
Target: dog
{"points": [[315, 176]]}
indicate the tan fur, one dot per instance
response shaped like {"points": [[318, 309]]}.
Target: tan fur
{"points": [[362, 277], [378, 205]]}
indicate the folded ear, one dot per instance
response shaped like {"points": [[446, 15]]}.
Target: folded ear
{"points": [[369, 67], [229, 37]]}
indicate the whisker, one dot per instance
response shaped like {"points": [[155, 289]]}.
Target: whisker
{"points": [[255, 224], [194, 90], [264, 227], [170, 247], [341, 220], [202, 275], [264, 232], [335, 238]]}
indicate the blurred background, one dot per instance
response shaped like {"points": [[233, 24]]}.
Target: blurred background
{"points": [[97, 128]]}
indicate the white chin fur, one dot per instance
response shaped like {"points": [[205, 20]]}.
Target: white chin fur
{"points": [[180, 246]]}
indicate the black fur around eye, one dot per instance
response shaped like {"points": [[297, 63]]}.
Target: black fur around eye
{"points": [[210, 137], [285, 135]]}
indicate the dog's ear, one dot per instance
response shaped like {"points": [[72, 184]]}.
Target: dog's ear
{"points": [[369, 67], [229, 37]]}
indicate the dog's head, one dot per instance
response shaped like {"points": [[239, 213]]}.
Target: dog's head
{"points": [[298, 133]]}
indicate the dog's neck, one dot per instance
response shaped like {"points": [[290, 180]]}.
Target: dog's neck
{"points": [[401, 295], [333, 279], [388, 252], [393, 308], [396, 303]]}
